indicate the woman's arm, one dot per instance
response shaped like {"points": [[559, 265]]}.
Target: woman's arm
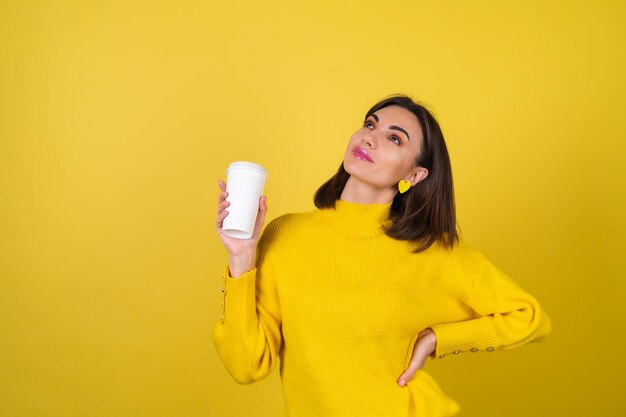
{"points": [[248, 336], [506, 317]]}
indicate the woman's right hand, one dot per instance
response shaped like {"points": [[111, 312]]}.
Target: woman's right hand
{"points": [[239, 248]]}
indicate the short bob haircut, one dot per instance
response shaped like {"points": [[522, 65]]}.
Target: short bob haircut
{"points": [[425, 213]]}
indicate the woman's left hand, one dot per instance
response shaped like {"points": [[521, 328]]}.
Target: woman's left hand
{"points": [[424, 346]]}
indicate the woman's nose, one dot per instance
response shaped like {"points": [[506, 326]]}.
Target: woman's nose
{"points": [[370, 141]]}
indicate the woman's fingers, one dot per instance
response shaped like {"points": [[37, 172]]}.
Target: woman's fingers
{"points": [[223, 194], [220, 219], [421, 350], [417, 363], [222, 206]]}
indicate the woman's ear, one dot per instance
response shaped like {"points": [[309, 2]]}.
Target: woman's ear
{"points": [[417, 175]]}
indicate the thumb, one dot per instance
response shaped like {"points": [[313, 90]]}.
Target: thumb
{"points": [[417, 363], [260, 219], [407, 375]]}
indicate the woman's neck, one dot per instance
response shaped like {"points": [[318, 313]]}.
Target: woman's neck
{"points": [[359, 192]]}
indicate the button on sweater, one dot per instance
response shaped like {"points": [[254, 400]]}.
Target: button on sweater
{"points": [[339, 304]]}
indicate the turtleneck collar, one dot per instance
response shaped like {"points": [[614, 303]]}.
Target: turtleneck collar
{"points": [[355, 217]]}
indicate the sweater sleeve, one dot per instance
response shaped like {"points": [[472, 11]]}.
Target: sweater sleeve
{"points": [[504, 317], [248, 336]]}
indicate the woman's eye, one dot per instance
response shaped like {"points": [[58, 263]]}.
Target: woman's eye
{"points": [[399, 141], [367, 123]]}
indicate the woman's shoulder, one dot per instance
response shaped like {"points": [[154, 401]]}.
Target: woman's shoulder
{"points": [[463, 248], [464, 255], [287, 223], [283, 231], [287, 220]]}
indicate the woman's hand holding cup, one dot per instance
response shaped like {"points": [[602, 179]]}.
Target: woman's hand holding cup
{"points": [[242, 252]]}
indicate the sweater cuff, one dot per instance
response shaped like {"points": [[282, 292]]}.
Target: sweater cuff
{"points": [[238, 295], [469, 335]]}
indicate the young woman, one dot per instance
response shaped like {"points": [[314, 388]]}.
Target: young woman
{"points": [[355, 295]]}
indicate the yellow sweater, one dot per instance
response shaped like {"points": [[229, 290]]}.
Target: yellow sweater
{"points": [[341, 304]]}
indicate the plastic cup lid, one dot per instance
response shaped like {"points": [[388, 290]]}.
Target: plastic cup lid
{"points": [[248, 165]]}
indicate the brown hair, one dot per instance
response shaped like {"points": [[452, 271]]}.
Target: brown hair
{"points": [[426, 212]]}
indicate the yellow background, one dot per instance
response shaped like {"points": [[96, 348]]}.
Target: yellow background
{"points": [[118, 117]]}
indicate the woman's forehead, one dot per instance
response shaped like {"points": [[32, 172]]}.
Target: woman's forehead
{"points": [[401, 117]]}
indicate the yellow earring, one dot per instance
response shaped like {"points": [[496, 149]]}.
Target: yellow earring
{"points": [[403, 185]]}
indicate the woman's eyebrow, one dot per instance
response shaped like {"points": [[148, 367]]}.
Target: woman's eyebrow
{"points": [[393, 127]]}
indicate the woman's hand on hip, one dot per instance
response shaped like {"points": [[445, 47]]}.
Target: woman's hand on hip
{"points": [[424, 346]]}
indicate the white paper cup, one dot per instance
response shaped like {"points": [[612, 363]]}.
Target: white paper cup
{"points": [[244, 184]]}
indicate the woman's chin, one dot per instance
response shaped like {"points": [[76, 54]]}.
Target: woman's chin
{"points": [[353, 165]]}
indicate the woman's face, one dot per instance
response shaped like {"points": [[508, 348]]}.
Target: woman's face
{"points": [[392, 139]]}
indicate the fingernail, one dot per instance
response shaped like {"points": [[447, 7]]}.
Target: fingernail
{"points": [[402, 382]]}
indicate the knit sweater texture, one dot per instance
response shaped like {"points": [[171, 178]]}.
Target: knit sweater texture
{"points": [[339, 304]]}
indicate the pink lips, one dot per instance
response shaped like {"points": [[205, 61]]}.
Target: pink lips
{"points": [[361, 154]]}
